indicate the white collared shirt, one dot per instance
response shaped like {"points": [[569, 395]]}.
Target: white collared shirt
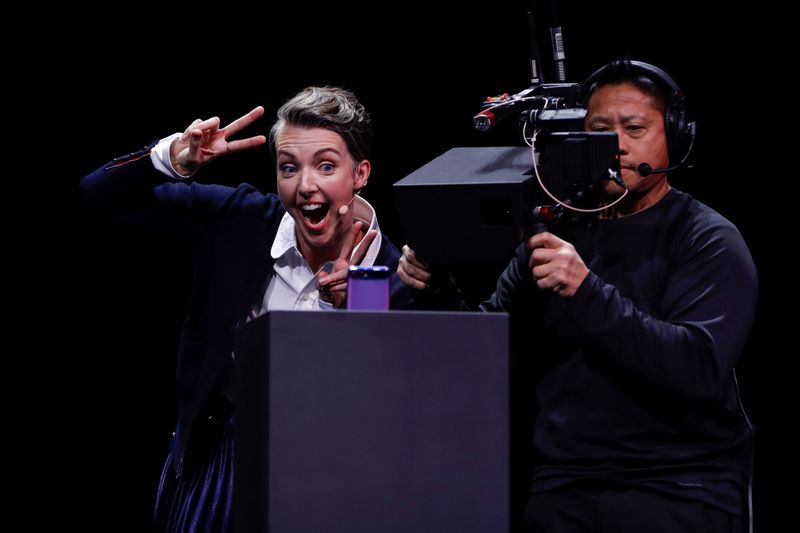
{"points": [[294, 286]]}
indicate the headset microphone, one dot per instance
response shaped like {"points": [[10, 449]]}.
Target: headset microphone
{"points": [[645, 170], [346, 207]]}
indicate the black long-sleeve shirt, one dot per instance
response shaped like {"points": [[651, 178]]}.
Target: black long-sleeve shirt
{"points": [[635, 371]]}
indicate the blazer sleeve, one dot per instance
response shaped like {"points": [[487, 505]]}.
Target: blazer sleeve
{"points": [[131, 185]]}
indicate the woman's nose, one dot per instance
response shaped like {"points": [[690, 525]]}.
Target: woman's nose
{"points": [[308, 182]]}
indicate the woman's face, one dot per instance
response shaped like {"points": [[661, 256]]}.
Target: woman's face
{"points": [[316, 176]]}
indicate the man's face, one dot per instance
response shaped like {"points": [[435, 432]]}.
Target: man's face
{"points": [[634, 116]]}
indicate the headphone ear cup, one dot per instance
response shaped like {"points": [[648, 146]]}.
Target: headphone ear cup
{"points": [[677, 128]]}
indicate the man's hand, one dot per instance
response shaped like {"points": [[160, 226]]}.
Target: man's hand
{"points": [[411, 271], [556, 265]]}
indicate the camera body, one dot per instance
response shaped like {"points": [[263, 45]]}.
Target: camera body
{"points": [[475, 204], [570, 162], [554, 109]]}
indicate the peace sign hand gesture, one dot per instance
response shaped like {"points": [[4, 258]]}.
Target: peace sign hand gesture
{"points": [[333, 286], [203, 141]]}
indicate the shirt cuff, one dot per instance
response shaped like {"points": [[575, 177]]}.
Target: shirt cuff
{"points": [[159, 155]]}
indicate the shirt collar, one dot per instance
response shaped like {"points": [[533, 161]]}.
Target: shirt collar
{"points": [[286, 238]]}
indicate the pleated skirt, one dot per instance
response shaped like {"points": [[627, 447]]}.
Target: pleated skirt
{"points": [[201, 499]]}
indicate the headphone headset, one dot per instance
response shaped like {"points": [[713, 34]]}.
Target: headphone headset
{"points": [[677, 126]]}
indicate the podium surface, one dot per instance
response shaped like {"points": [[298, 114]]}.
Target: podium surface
{"points": [[372, 421]]}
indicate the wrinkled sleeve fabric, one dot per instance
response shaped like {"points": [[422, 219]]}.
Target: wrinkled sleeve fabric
{"points": [[132, 185], [707, 308]]}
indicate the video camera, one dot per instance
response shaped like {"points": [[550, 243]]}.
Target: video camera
{"points": [[477, 204]]}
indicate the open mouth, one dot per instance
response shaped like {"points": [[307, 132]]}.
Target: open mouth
{"points": [[315, 214]]}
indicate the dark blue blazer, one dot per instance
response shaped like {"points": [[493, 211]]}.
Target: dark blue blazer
{"points": [[234, 230]]}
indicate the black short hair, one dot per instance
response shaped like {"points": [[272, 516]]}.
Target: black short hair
{"points": [[621, 70]]}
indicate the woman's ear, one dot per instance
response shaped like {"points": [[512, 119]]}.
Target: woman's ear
{"points": [[363, 169]]}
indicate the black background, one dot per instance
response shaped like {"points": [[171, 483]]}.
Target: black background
{"points": [[144, 72]]}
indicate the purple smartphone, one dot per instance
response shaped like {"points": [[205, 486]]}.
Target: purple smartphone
{"points": [[368, 288]]}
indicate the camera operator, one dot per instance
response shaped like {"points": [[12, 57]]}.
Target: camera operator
{"points": [[629, 328]]}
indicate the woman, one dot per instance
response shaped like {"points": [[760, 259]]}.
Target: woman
{"points": [[255, 253]]}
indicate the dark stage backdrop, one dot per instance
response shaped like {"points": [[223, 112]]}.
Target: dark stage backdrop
{"points": [[422, 72]]}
